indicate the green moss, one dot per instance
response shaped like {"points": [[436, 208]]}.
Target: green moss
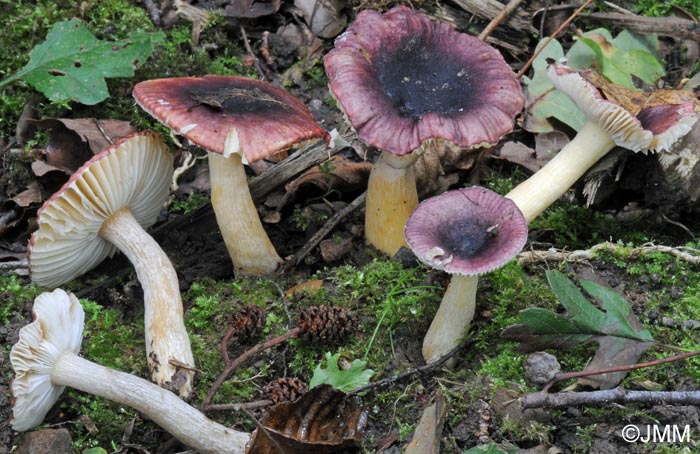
{"points": [[665, 8], [15, 294]]}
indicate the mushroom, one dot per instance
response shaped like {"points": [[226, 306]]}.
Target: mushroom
{"points": [[402, 79], [653, 128], [237, 120], [105, 206], [465, 232], [45, 360]]}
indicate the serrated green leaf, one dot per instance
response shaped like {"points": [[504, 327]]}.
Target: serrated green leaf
{"points": [[543, 101], [345, 380], [618, 313], [579, 308], [71, 65]]}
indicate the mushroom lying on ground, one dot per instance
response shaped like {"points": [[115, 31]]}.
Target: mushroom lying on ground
{"points": [[653, 128], [237, 120], [465, 232], [402, 79], [105, 206], [45, 360]]}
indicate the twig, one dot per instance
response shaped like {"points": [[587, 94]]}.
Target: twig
{"points": [[496, 21], [240, 406], [250, 51], [549, 40], [418, 370], [323, 231], [607, 396], [230, 368], [153, 12], [686, 254]]}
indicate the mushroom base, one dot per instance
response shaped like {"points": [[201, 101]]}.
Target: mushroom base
{"points": [[391, 198], [452, 319], [247, 242]]}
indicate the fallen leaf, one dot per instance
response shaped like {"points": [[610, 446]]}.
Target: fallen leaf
{"points": [[345, 379], [426, 438], [72, 141], [522, 155], [323, 17], [250, 9], [322, 421], [308, 286], [337, 173]]}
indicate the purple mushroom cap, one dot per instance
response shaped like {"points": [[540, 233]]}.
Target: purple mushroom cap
{"points": [[467, 231], [402, 78]]}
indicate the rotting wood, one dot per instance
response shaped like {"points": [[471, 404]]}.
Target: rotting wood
{"points": [[489, 9], [667, 26]]}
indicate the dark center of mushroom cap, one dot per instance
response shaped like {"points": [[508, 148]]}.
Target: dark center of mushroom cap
{"points": [[466, 238], [236, 101], [419, 78]]}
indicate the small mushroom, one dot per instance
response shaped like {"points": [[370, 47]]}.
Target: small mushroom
{"points": [[105, 206], [465, 232], [403, 79], [45, 360], [237, 120], [653, 128]]}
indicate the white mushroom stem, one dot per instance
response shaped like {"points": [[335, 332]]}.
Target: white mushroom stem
{"points": [[166, 336], [453, 317], [178, 418], [543, 188], [247, 242], [391, 198]]}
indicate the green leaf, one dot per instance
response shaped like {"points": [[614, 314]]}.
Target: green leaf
{"points": [[71, 65], [619, 58], [543, 100], [345, 380], [95, 451]]}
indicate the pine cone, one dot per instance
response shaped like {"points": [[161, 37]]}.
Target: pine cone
{"points": [[286, 389], [327, 324], [248, 321]]}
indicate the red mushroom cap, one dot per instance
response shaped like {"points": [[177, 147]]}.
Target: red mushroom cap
{"points": [[467, 231], [402, 78], [205, 109]]}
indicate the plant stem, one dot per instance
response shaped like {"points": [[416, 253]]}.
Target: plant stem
{"points": [[230, 368]]}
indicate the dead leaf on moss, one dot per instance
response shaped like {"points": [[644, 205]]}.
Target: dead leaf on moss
{"points": [[322, 421], [250, 9], [308, 286], [426, 438]]}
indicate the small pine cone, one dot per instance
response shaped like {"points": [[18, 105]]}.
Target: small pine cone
{"points": [[327, 324], [248, 321], [286, 389]]}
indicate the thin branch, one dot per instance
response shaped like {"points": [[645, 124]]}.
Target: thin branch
{"points": [[549, 40], [325, 230], [230, 368], [607, 396], [250, 51], [419, 370], [496, 21], [585, 373], [240, 406]]}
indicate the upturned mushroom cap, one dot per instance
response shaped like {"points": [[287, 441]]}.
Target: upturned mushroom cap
{"points": [[653, 128], [57, 327], [467, 231], [267, 119], [135, 172], [402, 78]]}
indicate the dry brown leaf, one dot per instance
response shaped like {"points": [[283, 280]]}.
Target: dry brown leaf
{"points": [[322, 421], [337, 173], [633, 100], [308, 286], [426, 438], [250, 9]]}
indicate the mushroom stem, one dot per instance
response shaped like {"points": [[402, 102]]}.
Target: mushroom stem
{"points": [[179, 419], [166, 336], [391, 198], [543, 188], [453, 317], [248, 245]]}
